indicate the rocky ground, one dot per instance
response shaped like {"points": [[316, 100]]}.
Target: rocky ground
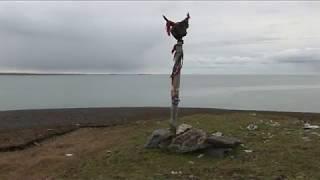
{"points": [[275, 146]]}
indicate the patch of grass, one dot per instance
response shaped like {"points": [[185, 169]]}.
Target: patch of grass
{"points": [[279, 150]]}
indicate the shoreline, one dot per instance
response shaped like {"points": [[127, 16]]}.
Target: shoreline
{"points": [[13, 119]]}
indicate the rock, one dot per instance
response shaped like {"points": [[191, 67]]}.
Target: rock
{"points": [[176, 172], [191, 162], [158, 138], [252, 127], [37, 144], [309, 126], [315, 133], [200, 156], [165, 142], [69, 155], [248, 150], [223, 141], [217, 134], [182, 128], [188, 141], [274, 123]]}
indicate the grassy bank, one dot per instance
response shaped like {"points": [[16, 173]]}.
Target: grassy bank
{"points": [[280, 149]]}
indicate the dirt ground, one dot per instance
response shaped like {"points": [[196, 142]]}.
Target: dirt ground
{"points": [[42, 161]]}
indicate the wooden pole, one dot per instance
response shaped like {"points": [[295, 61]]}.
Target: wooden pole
{"points": [[178, 30], [175, 85]]}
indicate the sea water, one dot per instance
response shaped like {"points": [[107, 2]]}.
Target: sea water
{"points": [[251, 92]]}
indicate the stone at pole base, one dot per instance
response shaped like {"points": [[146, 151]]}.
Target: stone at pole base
{"points": [[191, 139]]}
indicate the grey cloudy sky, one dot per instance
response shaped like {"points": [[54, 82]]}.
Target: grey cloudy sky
{"points": [[129, 37]]}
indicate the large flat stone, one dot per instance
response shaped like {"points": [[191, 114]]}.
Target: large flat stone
{"points": [[157, 138], [182, 128], [188, 141], [191, 139], [223, 141]]}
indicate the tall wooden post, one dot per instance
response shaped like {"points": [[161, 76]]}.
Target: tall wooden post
{"points": [[175, 85], [178, 30]]}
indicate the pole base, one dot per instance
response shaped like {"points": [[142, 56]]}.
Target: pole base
{"points": [[173, 129]]}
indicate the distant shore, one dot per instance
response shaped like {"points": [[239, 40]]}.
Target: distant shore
{"points": [[62, 117], [71, 74], [21, 73]]}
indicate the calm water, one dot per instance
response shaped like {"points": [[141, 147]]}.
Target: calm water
{"points": [[260, 92]]}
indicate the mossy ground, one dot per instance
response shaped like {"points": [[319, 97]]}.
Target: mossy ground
{"points": [[279, 151], [281, 148]]}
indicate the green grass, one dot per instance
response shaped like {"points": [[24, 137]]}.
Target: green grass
{"points": [[277, 151]]}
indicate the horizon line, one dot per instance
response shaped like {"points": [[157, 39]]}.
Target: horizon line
{"points": [[67, 73]]}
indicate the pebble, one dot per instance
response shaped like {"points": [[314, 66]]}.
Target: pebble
{"points": [[253, 114], [200, 156], [252, 127], [248, 151], [176, 172], [191, 162], [217, 134], [309, 126], [315, 133]]}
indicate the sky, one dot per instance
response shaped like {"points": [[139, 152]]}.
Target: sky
{"points": [[224, 37]]}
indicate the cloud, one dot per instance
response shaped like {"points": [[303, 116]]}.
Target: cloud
{"points": [[303, 55], [129, 37], [72, 41]]}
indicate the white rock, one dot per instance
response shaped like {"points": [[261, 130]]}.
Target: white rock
{"points": [[315, 133], [200, 156], [309, 126], [217, 134], [252, 127], [182, 128], [191, 176], [175, 172], [274, 123]]}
